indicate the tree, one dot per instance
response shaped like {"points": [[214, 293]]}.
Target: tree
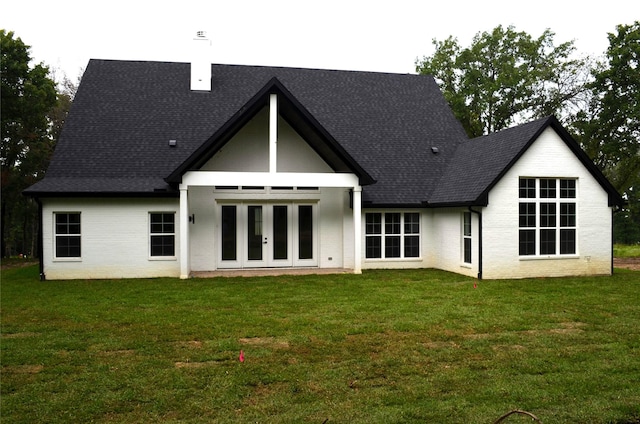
{"points": [[609, 128], [505, 77], [27, 97]]}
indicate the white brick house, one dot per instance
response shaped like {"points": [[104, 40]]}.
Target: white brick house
{"points": [[298, 168]]}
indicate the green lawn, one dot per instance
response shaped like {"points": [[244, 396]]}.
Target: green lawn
{"points": [[386, 346], [626, 250]]}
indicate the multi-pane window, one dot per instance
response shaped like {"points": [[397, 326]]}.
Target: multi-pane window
{"points": [[392, 235], [547, 216], [162, 233], [466, 237], [67, 234], [411, 235]]}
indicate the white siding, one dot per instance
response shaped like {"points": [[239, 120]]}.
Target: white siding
{"points": [[248, 150], [446, 240], [114, 239], [295, 154], [330, 229], [547, 157], [202, 233]]}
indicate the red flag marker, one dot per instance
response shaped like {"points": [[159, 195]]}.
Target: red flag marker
{"points": [[241, 357], [475, 285]]}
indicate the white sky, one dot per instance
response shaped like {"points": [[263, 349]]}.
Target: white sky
{"points": [[330, 34]]}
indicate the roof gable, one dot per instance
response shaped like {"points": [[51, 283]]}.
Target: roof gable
{"points": [[380, 126], [480, 163], [295, 115], [249, 150]]}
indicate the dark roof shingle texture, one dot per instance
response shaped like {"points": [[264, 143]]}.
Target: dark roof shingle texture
{"points": [[125, 112], [479, 162], [116, 138]]}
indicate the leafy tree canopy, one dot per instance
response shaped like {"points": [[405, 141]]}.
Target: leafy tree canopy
{"points": [[609, 128], [27, 96], [505, 77]]}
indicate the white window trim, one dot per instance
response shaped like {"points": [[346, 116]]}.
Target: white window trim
{"points": [[402, 236], [557, 200], [465, 237], [174, 234], [55, 239]]}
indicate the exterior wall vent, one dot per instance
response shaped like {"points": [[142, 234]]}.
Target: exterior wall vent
{"points": [[173, 143]]}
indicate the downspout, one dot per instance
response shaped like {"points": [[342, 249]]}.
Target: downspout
{"points": [[613, 213], [479, 213], [40, 247]]}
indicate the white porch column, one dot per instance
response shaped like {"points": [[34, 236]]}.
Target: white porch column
{"points": [[273, 132], [185, 268], [357, 229]]}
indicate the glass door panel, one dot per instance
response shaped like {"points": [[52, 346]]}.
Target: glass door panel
{"points": [[305, 226], [229, 233], [305, 232], [254, 233], [280, 232]]}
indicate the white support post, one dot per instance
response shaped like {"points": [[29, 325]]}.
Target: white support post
{"points": [[357, 229], [185, 268], [273, 133]]}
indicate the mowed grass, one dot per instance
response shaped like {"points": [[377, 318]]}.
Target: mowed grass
{"points": [[626, 250], [408, 346]]}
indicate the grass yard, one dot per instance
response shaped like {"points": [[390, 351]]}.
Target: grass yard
{"points": [[626, 250], [387, 346]]}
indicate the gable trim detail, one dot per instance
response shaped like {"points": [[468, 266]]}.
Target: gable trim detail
{"points": [[482, 199], [295, 114]]}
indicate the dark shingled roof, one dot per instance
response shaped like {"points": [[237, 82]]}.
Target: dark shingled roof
{"points": [[478, 164], [116, 137], [481, 162], [380, 126]]}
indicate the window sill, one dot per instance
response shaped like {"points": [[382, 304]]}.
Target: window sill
{"points": [[548, 257], [466, 265], [393, 259], [163, 258], [67, 259]]}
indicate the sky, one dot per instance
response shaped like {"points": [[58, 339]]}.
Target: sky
{"points": [[378, 36]]}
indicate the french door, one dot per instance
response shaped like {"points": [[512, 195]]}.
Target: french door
{"points": [[267, 235]]}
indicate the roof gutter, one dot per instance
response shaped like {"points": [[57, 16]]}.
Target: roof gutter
{"points": [[102, 194], [482, 200], [479, 213]]}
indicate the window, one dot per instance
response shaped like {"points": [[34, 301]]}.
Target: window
{"points": [[162, 234], [411, 235], [392, 235], [229, 233], [547, 217], [466, 237], [305, 232], [67, 234]]}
